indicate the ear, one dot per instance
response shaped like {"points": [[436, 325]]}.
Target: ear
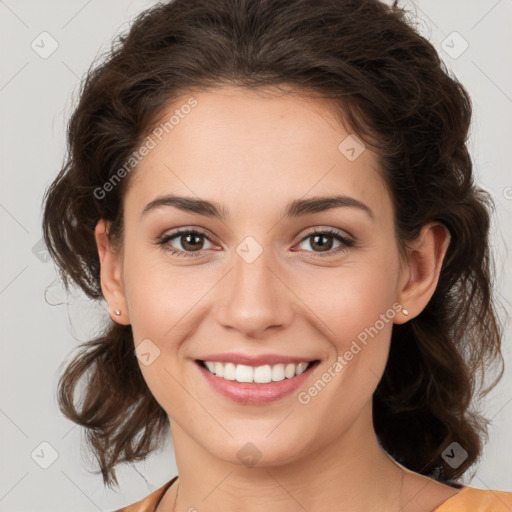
{"points": [[111, 274], [421, 269]]}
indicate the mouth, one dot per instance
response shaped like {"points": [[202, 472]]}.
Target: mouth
{"points": [[255, 384], [263, 374]]}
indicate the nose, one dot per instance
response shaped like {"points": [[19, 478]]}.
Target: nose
{"points": [[254, 298]]}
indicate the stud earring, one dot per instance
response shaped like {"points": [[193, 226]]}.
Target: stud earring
{"points": [[117, 312], [405, 312]]}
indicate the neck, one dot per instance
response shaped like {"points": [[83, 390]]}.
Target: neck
{"points": [[351, 473]]}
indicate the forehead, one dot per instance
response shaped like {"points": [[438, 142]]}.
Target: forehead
{"points": [[248, 148]]}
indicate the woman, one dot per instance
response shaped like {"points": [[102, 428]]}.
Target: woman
{"points": [[276, 201]]}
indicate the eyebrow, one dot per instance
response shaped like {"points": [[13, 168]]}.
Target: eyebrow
{"points": [[295, 208]]}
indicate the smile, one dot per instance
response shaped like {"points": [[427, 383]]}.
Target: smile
{"points": [[256, 374], [255, 385]]}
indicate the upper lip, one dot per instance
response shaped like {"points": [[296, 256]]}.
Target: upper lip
{"points": [[259, 360]]}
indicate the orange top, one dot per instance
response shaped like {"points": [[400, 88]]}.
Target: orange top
{"points": [[468, 499]]}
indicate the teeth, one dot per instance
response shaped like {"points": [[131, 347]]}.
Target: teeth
{"points": [[301, 368], [263, 374], [277, 372], [259, 374], [289, 371], [211, 366]]}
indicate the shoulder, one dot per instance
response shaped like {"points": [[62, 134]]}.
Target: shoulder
{"points": [[471, 499], [149, 503]]}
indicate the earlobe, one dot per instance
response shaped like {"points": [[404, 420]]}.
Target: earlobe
{"points": [[111, 274], [425, 259]]}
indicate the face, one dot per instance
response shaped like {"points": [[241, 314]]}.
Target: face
{"points": [[316, 284]]}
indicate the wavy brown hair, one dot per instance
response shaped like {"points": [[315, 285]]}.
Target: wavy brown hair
{"points": [[389, 86]]}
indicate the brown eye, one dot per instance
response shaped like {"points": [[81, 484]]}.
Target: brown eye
{"points": [[188, 242], [323, 241], [191, 242]]}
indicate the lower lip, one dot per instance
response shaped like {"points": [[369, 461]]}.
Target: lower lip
{"points": [[252, 393]]}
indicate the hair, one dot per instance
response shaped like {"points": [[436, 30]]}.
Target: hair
{"points": [[388, 85]]}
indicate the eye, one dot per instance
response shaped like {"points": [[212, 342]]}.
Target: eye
{"points": [[189, 240], [323, 239]]}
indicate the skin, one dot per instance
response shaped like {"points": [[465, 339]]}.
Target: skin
{"points": [[253, 153]]}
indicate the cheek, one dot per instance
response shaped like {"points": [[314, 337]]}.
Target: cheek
{"points": [[362, 302], [357, 308], [159, 298], [355, 298], [144, 291]]}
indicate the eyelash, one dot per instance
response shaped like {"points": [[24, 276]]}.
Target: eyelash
{"points": [[346, 242]]}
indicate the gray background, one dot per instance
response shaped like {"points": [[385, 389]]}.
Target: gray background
{"points": [[36, 98]]}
